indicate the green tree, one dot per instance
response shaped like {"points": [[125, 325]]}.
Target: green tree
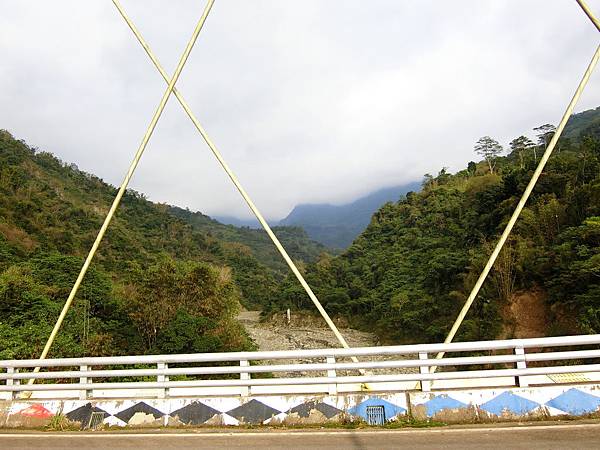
{"points": [[490, 149], [544, 134], [521, 146], [170, 294]]}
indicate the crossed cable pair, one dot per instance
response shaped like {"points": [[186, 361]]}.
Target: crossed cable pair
{"points": [[172, 90]]}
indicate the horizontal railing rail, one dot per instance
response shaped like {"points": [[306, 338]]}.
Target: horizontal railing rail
{"points": [[562, 341], [318, 369], [458, 361], [361, 379]]}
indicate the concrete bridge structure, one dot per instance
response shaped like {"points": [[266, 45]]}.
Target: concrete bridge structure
{"points": [[477, 382]]}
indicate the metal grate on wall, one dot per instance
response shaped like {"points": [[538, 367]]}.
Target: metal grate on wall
{"points": [[375, 415], [96, 420]]}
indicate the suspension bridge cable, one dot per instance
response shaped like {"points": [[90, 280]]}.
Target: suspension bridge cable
{"points": [[125, 183], [522, 201], [589, 13], [235, 180]]}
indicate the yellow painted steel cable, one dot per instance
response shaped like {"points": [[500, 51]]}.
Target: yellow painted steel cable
{"points": [[235, 181], [589, 13], [126, 180], [523, 200]]}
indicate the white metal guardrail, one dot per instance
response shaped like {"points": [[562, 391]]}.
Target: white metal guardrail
{"points": [[517, 362]]}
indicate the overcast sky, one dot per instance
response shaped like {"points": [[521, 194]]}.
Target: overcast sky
{"points": [[309, 101]]}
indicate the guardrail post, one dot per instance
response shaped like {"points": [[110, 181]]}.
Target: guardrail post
{"points": [[164, 393], [425, 385], [11, 382], [244, 390], [521, 364], [84, 394], [332, 387]]}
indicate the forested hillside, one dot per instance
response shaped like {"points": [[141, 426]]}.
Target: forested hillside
{"points": [[586, 123], [409, 273], [164, 279], [294, 239]]}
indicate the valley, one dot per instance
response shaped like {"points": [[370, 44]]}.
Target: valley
{"points": [[167, 279]]}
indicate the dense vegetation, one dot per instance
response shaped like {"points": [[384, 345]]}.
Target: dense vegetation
{"points": [[409, 273], [586, 123], [164, 279], [170, 280], [294, 239]]}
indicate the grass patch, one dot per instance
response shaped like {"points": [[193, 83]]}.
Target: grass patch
{"points": [[60, 422]]}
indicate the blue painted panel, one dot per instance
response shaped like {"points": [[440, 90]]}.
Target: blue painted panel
{"points": [[390, 409], [575, 402], [440, 403], [510, 402]]}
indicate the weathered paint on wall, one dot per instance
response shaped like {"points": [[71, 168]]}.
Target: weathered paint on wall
{"points": [[479, 405], [28, 414], [506, 404]]}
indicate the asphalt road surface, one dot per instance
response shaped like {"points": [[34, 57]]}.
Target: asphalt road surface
{"points": [[569, 436]]}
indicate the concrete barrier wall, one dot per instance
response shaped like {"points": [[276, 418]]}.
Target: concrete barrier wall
{"points": [[455, 406]]}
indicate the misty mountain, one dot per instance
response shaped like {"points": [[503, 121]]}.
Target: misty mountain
{"points": [[338, 225], [419, 258], [237, 222]]}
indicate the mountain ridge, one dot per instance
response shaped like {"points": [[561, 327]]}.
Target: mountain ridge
{"points": [[50, 205], [409, 273], [337, 226]]}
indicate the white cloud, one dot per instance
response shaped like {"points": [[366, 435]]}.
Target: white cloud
{"points": [[318, 100]]}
